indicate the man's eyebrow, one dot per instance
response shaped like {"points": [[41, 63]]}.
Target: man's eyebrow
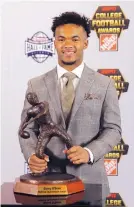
{"points": [[75, 36], [61, 36]]}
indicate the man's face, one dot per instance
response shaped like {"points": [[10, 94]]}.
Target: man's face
{"points": [[70, 41]]}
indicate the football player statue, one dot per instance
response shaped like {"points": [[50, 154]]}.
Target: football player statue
{"points": [[39, 112]]}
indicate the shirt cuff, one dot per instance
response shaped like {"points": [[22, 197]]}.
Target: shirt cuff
{"points": [[91, 154]]}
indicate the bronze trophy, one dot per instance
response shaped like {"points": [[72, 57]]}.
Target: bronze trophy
{"points": [[46, 183]]}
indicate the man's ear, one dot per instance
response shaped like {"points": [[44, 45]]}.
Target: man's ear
{"points": [[54, 42], [85, 43]]}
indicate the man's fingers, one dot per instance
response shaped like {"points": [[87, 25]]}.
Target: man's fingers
{"points": [[73, 154], [75, 158], [38, 165], [78, 155], [65, 151], [37, 168], [46, 158], [34, 159], [77, 162], [37, 160], [37, 171], [72, 150]]}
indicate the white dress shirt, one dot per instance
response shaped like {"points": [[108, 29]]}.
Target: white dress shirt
{"points": [[78, 72]]}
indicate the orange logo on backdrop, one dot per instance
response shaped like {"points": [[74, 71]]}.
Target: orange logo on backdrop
{"points": [[111, 166], [108, 42]]}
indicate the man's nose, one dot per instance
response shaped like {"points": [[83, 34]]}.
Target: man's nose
{"points": [[70, 47]]}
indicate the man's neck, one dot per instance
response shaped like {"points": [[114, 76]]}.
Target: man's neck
{"points": [[69, 67]]}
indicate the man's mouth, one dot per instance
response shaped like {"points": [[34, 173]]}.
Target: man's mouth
{"points": [[68, 53]]}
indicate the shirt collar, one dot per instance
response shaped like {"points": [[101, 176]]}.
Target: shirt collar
{"points": [[77, 71]]}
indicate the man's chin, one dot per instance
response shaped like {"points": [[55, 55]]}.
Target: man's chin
{"points": [[68, 62]]}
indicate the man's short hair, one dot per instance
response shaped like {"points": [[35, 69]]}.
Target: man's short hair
{"points": [[71, 18]]}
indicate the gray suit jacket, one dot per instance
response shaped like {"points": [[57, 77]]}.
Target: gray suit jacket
{"points": [[94, 122]]}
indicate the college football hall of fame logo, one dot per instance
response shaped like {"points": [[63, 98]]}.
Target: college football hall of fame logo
{"points": [[39, 47], [108, 22]]}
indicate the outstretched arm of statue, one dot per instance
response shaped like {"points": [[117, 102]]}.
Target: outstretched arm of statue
{"points": [[32, 112]]}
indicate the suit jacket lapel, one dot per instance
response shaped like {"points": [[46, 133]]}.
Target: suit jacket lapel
{"points": [[84, 86], [51, 80]]}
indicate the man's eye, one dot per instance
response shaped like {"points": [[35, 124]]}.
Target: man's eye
{"points": [[75, 40], [61, 40]]}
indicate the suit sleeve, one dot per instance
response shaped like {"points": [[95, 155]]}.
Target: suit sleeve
{"points": [[28, 145], [110, 134]]}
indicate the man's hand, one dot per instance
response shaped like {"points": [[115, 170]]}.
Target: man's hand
{"points": [[77, 155], [37, 165]]}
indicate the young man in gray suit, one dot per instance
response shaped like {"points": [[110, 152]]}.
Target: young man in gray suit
{"points": [[86, 105]]}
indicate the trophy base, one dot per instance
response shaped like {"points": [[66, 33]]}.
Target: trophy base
{"points": [[58, 200], [48, 184]]}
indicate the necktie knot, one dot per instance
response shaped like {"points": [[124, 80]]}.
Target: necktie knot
{"points": [[70, 76]]}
